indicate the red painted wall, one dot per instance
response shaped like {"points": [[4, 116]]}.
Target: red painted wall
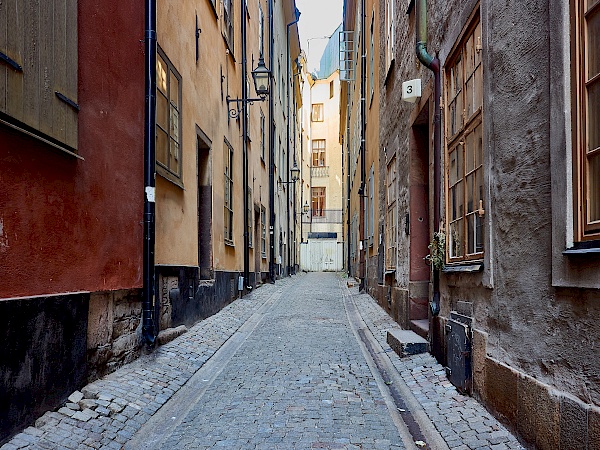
{"points": [[68, 225]]}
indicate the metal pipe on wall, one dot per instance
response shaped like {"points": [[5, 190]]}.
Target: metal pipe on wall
{"points": [[433, 64], [148, 271], [271, 154], [245, 147]]}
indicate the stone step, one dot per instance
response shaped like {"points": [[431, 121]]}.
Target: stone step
{"points": [[420, 326], [406, 342]]}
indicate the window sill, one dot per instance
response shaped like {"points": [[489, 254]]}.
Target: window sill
{"points": [[229, 243], [169, 176], [463, 268], [582, 251]]}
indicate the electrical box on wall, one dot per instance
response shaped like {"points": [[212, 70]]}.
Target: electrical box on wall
{"points": [[411, 90]]}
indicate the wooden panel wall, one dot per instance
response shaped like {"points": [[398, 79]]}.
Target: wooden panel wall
{"points": [[40, 36]]}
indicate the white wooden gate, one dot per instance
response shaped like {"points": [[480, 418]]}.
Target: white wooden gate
{"points": [[321, 255]]}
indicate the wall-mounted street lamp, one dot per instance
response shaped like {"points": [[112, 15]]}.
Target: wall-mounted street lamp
{"points": [[261, 76], [305, 207], [295, 174]]}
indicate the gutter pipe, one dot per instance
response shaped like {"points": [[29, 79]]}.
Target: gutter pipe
{"points": [[148, 295], [363, 132], [433, 64], [271, 154], [287, 67], [245, 148]]}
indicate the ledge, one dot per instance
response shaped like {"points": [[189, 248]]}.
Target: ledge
{"points": [[581, 251], [463, 268]]}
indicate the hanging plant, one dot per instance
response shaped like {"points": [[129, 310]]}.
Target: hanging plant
{"points": [[437, 250]]}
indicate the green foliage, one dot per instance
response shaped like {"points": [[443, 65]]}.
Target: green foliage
{"points": [[437, 250]]}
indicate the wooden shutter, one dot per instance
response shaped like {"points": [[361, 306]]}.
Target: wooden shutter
{"points": [[38, 68]]}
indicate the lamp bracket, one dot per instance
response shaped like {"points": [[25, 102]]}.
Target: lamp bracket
{"points": [[239, 103]]}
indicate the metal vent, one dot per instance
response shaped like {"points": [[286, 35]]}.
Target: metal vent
{"points": [[459, 354]]}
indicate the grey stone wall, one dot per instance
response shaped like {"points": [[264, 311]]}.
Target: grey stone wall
{"points": [[543, 335]]}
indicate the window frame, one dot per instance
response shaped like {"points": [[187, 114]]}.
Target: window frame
{"points": [[390, 35], [391, 223], [162, 168], [317, 113], [319, 151], [262, 136], [585, 229], [228, 217], [228, 24], [317, 197], [263, 235], [457, 140]]}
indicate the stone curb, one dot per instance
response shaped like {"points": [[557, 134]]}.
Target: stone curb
{"points": [[463, 422]]}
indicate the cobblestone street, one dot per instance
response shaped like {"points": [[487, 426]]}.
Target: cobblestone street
{"points": [[286, 367]]}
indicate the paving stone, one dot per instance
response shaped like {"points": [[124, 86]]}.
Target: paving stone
{"points": [[311, 387]]}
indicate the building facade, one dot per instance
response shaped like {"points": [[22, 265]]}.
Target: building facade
{"points": [[489, 213], [71, 190], [321, 246], [72, 180]]}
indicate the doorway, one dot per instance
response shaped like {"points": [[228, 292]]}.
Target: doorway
{"points": [[204, 206], [419, 198]]}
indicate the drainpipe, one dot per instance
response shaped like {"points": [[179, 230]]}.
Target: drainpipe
{"points": [[433, 64], [245, 148], [148, 296], [287, 81], [363, 131], [271, 153]]}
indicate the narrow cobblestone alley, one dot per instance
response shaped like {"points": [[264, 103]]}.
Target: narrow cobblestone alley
{"points": [[283, 368]]}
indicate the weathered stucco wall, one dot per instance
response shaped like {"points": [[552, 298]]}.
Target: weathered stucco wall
{"points": [[534, 341], [60, 215]]}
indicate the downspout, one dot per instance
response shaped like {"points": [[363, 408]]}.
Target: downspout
{"points": [[271, 153], [148, 295], [287, 82], [348, 218], [245, 147], [363, 130], [433, 64]]}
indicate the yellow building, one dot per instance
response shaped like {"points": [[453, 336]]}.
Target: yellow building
{"points": [[359, 132], [322, 179], [216, 150]]}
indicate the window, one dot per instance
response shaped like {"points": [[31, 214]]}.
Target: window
{"points": [[586, 135], [263, 232], [168, 118], [464, 136], [390, 34], [261, 30], [38, 72], [318, 152], [318, 201], [228, 203], [371, 206], [262, 135], [317, 112], [391, 221], [250, 217], [372, 59], [331, 89], [228, 23]]}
